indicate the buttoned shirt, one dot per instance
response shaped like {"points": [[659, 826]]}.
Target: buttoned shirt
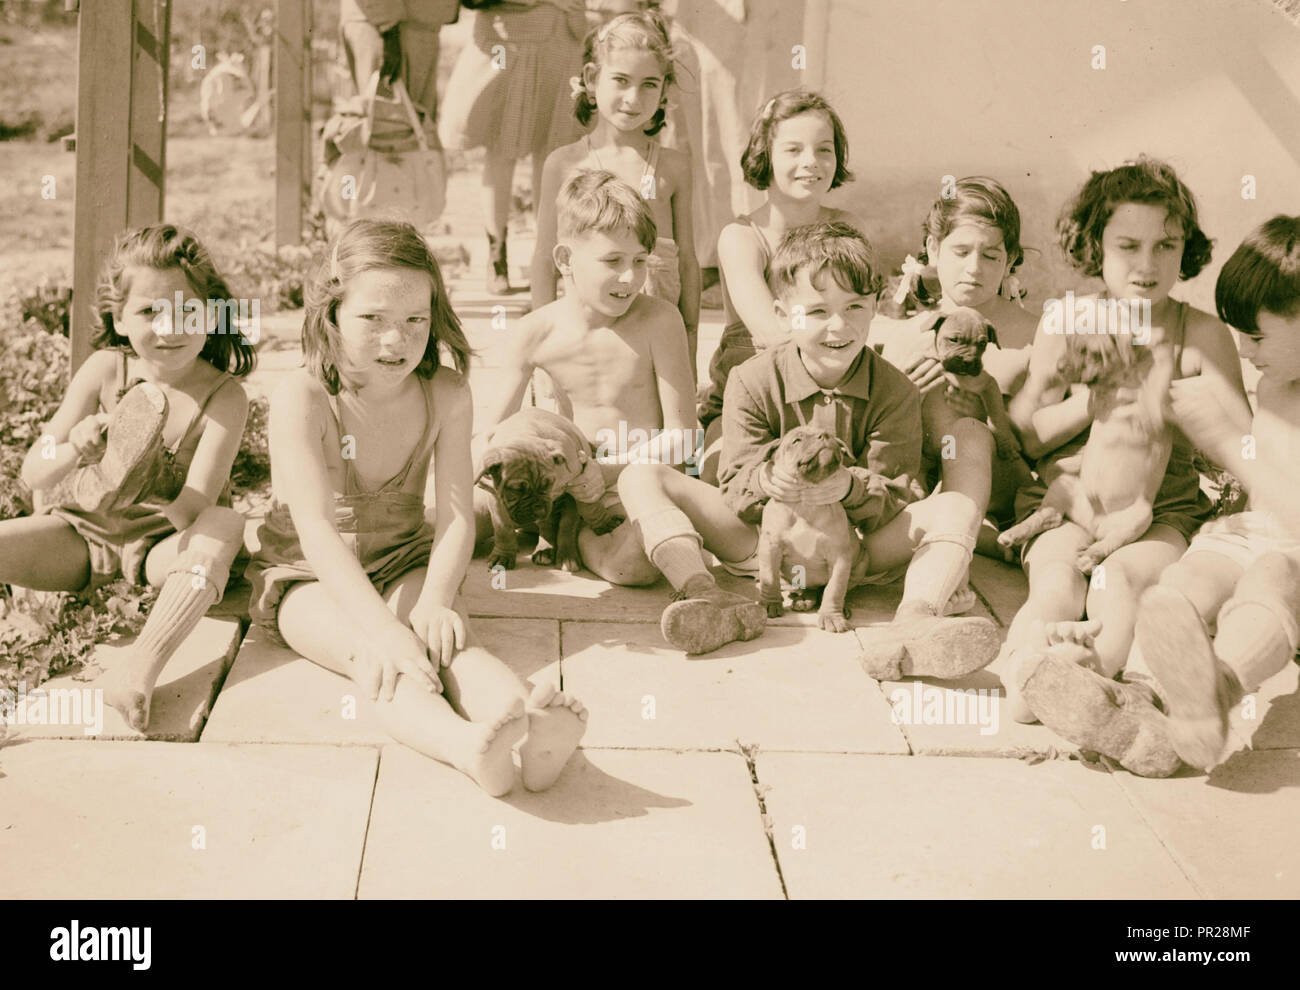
{"points": [[876, 410]]}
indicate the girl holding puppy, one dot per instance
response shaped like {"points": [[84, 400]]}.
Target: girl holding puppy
{"points": [[350, 573], [1136, 227]]}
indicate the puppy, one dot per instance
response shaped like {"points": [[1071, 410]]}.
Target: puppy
{"points": [[1110, 487], [817, 538], [957, 340], [532, 459]]}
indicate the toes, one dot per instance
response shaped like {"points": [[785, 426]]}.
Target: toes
{"points": [[544, 694]]}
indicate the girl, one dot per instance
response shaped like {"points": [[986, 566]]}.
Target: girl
{"points": [[797, 152], [627, 68], [508, 94], [350, 574], [971, 248], [151, 499], [1136, 227]]}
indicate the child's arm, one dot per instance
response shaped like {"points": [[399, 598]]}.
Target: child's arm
{"points": [[215, 455], [676, 397], [433, 617], [297, 431], [749, 434], [1221, 363], [1040, 415], [75, 429], [517, 369], [688, 265], [884, 478], [542, 273], [742, 265]]}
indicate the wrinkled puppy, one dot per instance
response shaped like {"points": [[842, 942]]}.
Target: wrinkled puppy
{"points": [[817, 538], [958, 341], [532, 460], [1110, 487]]}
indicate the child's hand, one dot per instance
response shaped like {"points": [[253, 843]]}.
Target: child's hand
{"points": [[389, 652], [88, 437], [785, 487], [926, 373], [441, 628], [964, 402]]}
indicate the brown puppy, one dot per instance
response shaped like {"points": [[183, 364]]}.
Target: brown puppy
{"points": [[818, 539], [532, 459], [1110, 487], [958, 341]]}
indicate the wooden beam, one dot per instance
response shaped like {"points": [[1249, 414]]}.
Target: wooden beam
{"points": [[121, 128], [292, 60]]}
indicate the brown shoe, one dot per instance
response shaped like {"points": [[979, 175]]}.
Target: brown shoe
{"points": [[1198, 690], [130, 460], [1096, 713], [707, 617], [929, 646]]}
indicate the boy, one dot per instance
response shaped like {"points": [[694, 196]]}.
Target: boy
{"points": [[826, 293], [1240, 573], [617, 357]]}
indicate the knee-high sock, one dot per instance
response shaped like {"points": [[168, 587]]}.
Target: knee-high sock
{"points": [[1254, 641], [182, 602], [673, 546], [939, 567]]}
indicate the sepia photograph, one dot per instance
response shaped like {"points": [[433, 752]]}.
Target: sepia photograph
{"points": [[651, 450]]}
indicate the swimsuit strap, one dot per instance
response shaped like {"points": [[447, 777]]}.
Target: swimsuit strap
{"points": [[1180, 333], [651, 163], [198, 413], [352, 482], [592, 151], [122, 388], [762, 239]]}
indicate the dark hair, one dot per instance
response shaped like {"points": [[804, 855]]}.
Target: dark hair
{"points": [[165, 246], [976, 197], [646, 30], [596, 200], [831, 244], [1147, 181], [756, 161], [364, 245], [1263, 275]]}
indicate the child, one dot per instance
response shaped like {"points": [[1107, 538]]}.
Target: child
{"points": [[797, 152], [1241, 573], [824, 376], [1136, 227], [151, 500], [971, 242], [349, 573], [627, 69], [617, 355]]}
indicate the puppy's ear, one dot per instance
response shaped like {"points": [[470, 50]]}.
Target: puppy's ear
{"points": [[991, 333], [846, 452], [933, 322], [489, 475], [558, 457]]}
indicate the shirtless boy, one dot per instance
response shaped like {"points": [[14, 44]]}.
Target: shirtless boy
{"points": [[617, 357]]}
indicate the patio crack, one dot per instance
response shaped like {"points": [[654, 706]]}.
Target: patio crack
{"points": [[750, 753]]}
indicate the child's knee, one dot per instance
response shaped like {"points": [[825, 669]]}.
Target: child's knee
{"points": [[1193, 584], [220, 523], [618, 557], [1274, 581], [951, 512]]}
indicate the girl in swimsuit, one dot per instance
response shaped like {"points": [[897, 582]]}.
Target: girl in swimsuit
{"points": [[627, 69], [1136, 227], [367, 440], [134, 468]]}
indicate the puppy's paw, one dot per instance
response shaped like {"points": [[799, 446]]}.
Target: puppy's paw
{"points": [[774, 610], [1085, 562], [1007, 444], [806, 599], [544, 556], [832, 621], [505, 561], [607, 525], [569, 562]]}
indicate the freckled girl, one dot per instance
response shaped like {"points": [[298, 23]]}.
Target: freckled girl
{"points": [[350, 572]]}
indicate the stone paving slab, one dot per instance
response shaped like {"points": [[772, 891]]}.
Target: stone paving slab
{"points": [[953, 827], [274, 695], [1004, 587], [967, 717], [796, 689], [1233, 831], [182, 698], [616, 824], [535, 592], [1276, 722], [119, 821]]}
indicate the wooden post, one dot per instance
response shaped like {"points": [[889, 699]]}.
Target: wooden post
{"points": [[121, 127], [292, 118]]}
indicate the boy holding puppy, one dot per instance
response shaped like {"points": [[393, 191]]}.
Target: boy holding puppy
{"points": [[824, 376]]}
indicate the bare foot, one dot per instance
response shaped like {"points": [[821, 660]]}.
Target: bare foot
{"points": [[1081, 633], [556, 723], [128, 687], [488, 761]]}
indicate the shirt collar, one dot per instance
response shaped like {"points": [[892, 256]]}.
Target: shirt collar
{"points": [[799, 385]]}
